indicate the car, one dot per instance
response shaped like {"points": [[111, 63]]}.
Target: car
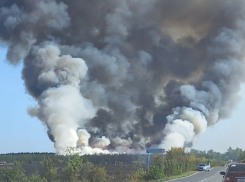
{"points": [[203, 167], [234, 173]]}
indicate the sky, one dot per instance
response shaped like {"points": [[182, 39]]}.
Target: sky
{"points": [[18, 131], [21, 133]]}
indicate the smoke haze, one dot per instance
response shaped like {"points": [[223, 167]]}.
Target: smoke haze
{"points": [[123, 75]]}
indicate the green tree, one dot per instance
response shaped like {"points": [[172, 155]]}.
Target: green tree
{"points": [[36, 178], [175, 153], [72, 168], [98, 174], [85, 170], [50, 168], [14, 174], [76, 167]]}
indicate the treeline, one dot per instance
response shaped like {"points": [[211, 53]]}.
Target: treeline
{"points": [[230, 154], [34, 158], [30, 158]]}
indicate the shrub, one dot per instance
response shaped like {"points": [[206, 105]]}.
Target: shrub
{"points": [[158, 160], [154, 173]]}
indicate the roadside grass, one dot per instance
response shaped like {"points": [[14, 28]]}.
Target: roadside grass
{"points": [[186, 174]]}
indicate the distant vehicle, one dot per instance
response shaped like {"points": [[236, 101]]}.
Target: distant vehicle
{"points": [[2, 162], [203, 167], [234, 173]]}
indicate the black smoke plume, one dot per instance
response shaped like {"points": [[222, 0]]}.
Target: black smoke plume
{"points": [[122, 75]]}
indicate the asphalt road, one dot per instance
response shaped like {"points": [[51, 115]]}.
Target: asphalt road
{"points": [[211, 176]]}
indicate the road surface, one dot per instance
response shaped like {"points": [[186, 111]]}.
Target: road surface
{"points": [[211, 176]]}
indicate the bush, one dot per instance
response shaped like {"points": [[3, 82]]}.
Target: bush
{"points": [[139, 175], [158, 160], [154, 173]]}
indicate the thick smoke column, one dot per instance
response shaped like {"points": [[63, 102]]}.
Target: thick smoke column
{"points": [[122, 75]]}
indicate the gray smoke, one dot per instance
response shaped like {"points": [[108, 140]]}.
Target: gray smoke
{"points": [[122, 75]]}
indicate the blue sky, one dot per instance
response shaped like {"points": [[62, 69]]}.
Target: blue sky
{"points": [[18, 131], [21, 133]]}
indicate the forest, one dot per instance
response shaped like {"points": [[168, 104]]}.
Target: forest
{"points": [[49, 167]]}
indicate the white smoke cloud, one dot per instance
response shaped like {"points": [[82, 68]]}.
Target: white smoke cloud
{"points": [[90, 151], [96, 147], [83, 137], [100, 142], [178, 132], [63, 109], [183, 125]]}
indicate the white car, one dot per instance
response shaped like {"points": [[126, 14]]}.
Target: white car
{"points": [[203, 167]]}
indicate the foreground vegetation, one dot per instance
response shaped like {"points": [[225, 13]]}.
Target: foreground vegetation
{"points": [[174, 165], [74, 168]]}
